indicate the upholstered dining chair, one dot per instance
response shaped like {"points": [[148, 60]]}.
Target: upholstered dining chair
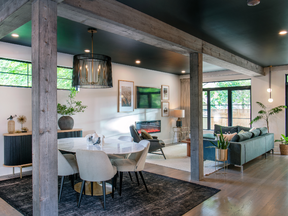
{"points": [[135, 163], [67, 166], [95, 166], [155, 144]]}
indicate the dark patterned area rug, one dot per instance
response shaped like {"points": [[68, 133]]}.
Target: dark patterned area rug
{"points": [[167, 196]]}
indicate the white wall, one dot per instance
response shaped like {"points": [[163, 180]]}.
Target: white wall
{"points": [[101, 114]]}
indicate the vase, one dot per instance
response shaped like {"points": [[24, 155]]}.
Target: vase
{"points": [[66, 123], [221, 154], [11, 126], [283, 149]]}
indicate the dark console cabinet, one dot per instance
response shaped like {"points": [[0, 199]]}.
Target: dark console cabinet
{"points": [[18, 147]]}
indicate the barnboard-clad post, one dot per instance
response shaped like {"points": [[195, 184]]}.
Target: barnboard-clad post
{"points": [[196, 122], [44, 107]]}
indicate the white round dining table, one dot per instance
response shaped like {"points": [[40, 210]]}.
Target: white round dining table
{"points": [[110, 146]]}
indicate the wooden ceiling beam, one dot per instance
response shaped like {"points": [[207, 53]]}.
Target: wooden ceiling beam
{"points": [[13, 14], [117, 18]]}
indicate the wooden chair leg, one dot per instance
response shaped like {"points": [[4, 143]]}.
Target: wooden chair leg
{"points": [[137, 178], [104, 193], [61, 188], [121, 178], [81, 193], [143, 180]]}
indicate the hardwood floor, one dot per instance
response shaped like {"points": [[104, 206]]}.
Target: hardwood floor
{"points": [[260, 190]]}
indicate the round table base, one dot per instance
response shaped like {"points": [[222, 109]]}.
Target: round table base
{"points": [[97, 188]]}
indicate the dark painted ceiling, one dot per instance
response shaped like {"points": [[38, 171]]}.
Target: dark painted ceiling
{"points": [[249, 32]]}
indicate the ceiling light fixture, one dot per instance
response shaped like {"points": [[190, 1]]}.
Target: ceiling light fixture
{"points": [[183, 71], [253, 2], [87, 51], [92, 70], [137, 61], [270, 100], [15, 35], [284, 32]]}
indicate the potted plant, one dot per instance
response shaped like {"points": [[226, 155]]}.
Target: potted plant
{"points": [[265, 114], [284, 144], [66, 122], [221, 147]]}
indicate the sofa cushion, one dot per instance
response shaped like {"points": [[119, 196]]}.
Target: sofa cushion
{"points": [[256, 132], [235, 138], [243, 128], [228, 136], [209, 136], [263, 130], [146, 135], [225, 129], [244, 136], [242, 131]]}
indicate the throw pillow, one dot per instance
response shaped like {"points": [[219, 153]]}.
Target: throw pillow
{"points": [[227, 137], [227, 130], [256, 132], [242, 131], [146, 135], [253, 128], [243, 128], [244, 136], [263, 130]]}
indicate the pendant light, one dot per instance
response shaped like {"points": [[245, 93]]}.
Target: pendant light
{"points": [[253, 2], [270, 100], [92, 70]]}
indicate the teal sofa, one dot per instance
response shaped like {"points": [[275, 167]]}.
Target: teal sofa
{"points": [[243, 148]]}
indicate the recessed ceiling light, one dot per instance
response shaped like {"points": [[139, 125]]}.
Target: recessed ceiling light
{"points": [[183, 71], [87, 51], [15, 35], [137, 61], [284, 32]]}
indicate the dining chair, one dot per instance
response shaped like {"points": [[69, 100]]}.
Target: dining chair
{"points": [[95, 166], [135, 163], [67, 166]]}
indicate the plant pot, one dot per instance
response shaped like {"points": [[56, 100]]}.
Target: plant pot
{"points": [[66, 123], [221, 154], [283, 149]]}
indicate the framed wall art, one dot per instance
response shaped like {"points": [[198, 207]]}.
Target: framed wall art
{"points": [[164, 92], [165, 109], [125, 96]]}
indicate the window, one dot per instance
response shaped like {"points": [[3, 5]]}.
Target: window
{"points": [[226, 103], [19, 74]]}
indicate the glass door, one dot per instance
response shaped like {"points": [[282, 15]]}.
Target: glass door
{"points": [[219, 108], [241, 107]]}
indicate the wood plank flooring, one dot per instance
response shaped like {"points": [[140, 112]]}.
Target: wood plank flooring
{"points": [[260, 190]]}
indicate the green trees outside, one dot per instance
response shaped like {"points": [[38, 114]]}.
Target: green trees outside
{"points": [[17, 73]]}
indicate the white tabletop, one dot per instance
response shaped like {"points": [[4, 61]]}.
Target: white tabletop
{"points": [[110, 146]]}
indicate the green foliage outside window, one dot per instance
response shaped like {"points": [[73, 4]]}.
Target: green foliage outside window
{"points": [[19, 74]]}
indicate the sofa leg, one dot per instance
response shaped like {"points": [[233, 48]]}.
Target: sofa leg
{"points": [[265, 155], [240, 167], [272, 151]]}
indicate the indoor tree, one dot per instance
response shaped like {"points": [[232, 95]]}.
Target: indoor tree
{"points": [[265, 114]]}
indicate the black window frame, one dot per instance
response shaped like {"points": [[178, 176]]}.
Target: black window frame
{"points": [[286, 103], [27, 74], [230, 111]]}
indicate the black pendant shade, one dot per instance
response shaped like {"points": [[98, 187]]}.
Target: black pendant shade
{"points": [[92, 71], [253, 2]]}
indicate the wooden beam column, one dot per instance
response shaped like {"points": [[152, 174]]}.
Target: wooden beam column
{"points": [[44, 107], [196, 119]]}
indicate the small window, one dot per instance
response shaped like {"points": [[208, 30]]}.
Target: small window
{"points": [[19, 74]]}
